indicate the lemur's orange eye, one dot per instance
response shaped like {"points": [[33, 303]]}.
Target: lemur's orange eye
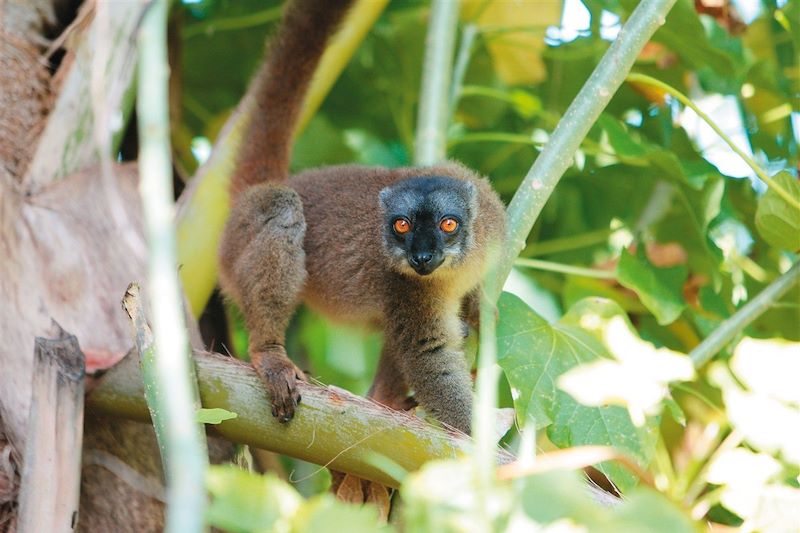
{"points": [[448, 225], [402, 226]]}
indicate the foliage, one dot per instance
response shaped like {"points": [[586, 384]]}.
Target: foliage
{"points": [[679, 233]]}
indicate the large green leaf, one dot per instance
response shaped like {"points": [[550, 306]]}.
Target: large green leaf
{"points": [[244, 502], [533, 354], [558, 498], [660, 289], [776, 220]]}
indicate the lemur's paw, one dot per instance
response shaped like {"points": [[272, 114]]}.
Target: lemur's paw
{"points": [[280, 376]]}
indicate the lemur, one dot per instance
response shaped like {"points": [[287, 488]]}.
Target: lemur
{"points": [[400, 249]]}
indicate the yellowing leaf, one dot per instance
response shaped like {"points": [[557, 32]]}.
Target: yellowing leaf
{"points": [[516, 46]]}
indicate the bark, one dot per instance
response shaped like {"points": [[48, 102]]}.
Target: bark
{"points": [[63, 259], [24, 82], [51, 478]]}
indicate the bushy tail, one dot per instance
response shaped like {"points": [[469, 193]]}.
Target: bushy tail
{"points": [[278, 90]]}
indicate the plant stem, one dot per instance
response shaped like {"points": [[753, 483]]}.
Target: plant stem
{"points": [[483, 417], [753, 309], [557, 155], [430, 140], [564, 244], [257, 18], [783, 193], [565, 269], [468, 35], [173, 397]]}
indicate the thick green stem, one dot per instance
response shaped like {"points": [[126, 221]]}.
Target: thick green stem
{"points": [[332, 427], [173, 395], [557, 155], [430, 144], [682, 98], [753, 309]]}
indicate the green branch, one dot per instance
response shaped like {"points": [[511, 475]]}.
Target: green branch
{"points": [[557, 155], [783, 193], [332, 427], [753, 309], [171, 385], [551, 266], [431, 137]]}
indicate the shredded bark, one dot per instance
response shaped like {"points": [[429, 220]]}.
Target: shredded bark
{"points": [[24, 82]]}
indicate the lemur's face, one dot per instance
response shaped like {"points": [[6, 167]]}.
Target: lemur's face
{"points": [[427, 223]]}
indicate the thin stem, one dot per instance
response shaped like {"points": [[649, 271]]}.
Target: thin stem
{"points": [[564, 244], [468, 35], [258, 18], [483, 418], [734, 325], [174, 399], [430, 142], [783, 193], [550, 266], [493, 136], [557, 156]]}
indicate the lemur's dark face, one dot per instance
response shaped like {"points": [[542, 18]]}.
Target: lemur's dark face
{"points": [[427, 223]]}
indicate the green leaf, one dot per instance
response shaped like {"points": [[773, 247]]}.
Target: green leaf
{"points": [[647, 510], [776, 220], [559, 498], [442, 496], [688, 221], [684, 34], [533, 354], [324, 514], [660, 289], [620, 138], [244, 502], [214, 416]]}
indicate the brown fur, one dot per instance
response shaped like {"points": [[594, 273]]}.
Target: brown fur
{"points": [[318, 236]]}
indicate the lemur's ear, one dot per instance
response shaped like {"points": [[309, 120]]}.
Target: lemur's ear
{"points": [[471, 193], [384, 197]]}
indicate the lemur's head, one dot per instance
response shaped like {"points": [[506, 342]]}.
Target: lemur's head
{"points": [[428, 222]]}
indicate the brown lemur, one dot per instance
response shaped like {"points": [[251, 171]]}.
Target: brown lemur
{"points": [[400, 249]]}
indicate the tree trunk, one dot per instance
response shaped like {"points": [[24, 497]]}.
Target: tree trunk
{"points": [[63, 259]]}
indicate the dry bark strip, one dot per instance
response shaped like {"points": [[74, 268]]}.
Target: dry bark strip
{"points": [[52, 463]]}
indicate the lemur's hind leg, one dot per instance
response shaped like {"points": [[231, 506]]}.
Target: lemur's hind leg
{"points": [[262, 267]]}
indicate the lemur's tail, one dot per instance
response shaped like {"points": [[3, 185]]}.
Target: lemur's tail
{"points": [[277, 92]]}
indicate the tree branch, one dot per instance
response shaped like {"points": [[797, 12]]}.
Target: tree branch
{"points": [[332, 427], [742, 318]]}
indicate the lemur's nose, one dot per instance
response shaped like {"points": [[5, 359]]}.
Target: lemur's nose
{"points": [[421, 258]]}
